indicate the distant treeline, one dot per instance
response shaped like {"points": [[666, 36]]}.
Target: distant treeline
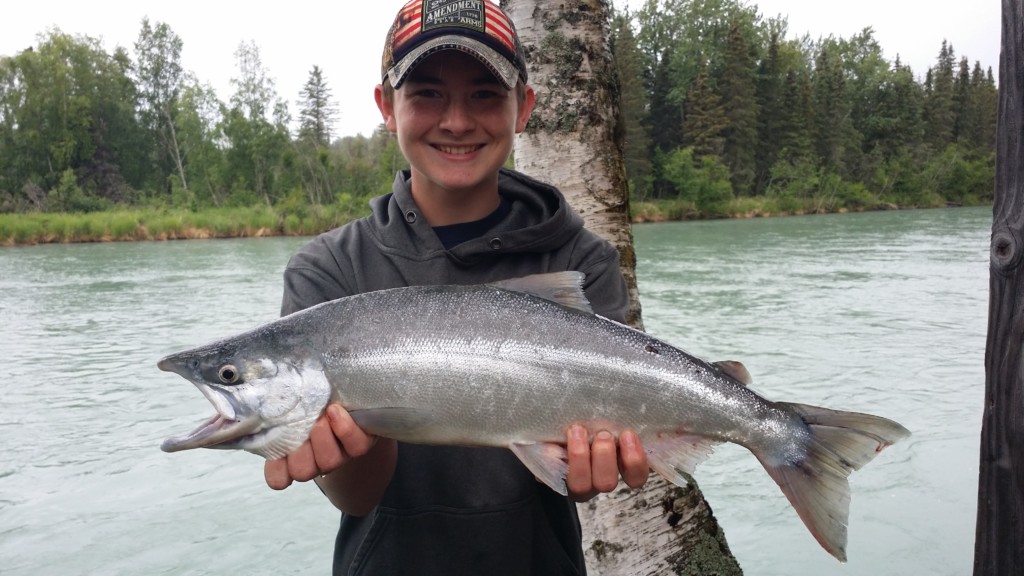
{"points": [[719, 108], [82, 130]]}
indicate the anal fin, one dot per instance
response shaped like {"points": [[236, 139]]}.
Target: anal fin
{"points": [[674, 456]]}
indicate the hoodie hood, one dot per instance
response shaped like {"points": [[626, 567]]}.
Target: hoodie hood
{"points": [[539, 221], [395, 246]]}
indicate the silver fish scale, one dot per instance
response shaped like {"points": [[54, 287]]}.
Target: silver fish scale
{"points": [[487, 366]]}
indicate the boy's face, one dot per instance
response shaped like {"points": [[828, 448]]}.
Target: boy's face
{"points": [[455, 124]]}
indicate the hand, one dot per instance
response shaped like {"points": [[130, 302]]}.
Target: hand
{"points": [[595, 467], [334, 440]]}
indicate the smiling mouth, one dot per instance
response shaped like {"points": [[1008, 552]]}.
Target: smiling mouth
{"points": [[458, 150]]}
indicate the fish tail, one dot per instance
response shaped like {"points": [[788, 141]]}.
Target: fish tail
{"points": [[817, 486]]}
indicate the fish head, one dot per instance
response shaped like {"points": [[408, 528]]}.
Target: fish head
{"points": [[266, 394]]}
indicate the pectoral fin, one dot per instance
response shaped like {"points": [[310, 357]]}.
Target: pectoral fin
{"points": [[547, 461]]}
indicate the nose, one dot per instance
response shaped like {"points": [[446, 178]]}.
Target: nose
{"points": [[457, 117]]}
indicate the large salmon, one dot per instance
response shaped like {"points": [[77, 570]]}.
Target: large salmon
{"points": [[514, 364]]}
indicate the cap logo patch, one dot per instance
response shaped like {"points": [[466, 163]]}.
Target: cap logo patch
{"points": [[454, 13]]}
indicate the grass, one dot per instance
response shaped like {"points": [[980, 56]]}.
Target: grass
{"points": [[179, 224], [167, 224]]}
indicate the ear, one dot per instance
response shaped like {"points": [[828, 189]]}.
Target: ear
{"points": [[386, 107], [525, 109]]}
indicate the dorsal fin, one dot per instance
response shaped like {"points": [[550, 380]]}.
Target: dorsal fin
{"points": [[565, 288]]}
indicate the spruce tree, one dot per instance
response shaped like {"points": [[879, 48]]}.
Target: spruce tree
{"points": [[704, 121], [665, 119], [985, 96], [965, 113], [938, 105], [770, 102], [317, 112], [664, 122], [831, 110], [633, 104], [739, 100]]}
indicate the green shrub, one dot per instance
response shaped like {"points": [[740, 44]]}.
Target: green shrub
{"points": [[123, 225], [292, 225]]}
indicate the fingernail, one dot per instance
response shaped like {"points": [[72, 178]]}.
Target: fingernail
{"points": [[578, 433], [334, 413], [604, 435], [627, 440]]}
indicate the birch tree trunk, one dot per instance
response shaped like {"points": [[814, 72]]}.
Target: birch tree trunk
{"points": [[573, 141]]}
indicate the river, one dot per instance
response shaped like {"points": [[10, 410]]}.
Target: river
{"points": [[878, 312]]}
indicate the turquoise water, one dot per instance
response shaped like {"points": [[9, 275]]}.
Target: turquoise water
{"points": [[881, 312]]}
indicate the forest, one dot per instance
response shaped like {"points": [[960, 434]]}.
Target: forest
{"points": [[722, 114]]}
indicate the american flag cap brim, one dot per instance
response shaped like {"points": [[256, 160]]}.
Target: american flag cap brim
{"points": [[506, 71]]}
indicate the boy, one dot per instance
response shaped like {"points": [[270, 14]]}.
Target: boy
{"points": [[454, 91]]}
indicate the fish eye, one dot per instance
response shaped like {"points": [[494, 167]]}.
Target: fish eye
{"points": [[228, 374]]}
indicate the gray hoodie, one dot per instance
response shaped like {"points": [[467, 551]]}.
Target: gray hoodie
{"points": [[455, 510]]}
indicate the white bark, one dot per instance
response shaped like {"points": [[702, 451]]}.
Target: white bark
{"points": [[176, 150], [573, 142]]}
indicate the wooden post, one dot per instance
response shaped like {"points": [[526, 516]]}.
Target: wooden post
{"points": [[999, 539]]}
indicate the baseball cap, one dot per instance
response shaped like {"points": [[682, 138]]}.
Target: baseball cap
{"points": [[477, 27]]}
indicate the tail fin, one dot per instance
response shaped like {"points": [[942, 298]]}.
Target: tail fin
{"points": [[817, 487]]}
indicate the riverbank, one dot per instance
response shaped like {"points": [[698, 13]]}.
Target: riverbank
{"points": [[259, 221], [167, 224], [765, 207]]}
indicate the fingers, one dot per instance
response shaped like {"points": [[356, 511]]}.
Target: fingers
{"points": [[328, 454], [334, 439], [604, 462], [275, 472], [596, 466], [302, 463], [633, 463], [578, 479], [355, 441]]}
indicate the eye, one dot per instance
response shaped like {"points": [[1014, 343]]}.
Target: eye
{"points": [[427, 93], [228, 374]]}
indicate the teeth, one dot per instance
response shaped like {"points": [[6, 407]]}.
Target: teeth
{"points": [[456, 149]]}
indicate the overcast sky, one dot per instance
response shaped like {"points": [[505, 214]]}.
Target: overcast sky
{"points": [[345, 38]]}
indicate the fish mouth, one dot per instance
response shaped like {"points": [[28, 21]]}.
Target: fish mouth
{"points": [[223, 430], [217, 432]]}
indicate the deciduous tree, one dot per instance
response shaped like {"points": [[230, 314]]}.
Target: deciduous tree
{"points": [[159, 77]]}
